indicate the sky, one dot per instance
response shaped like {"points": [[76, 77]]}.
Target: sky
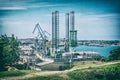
{"points": [[94, 19]]}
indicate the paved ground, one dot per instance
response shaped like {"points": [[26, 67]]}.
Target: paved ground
{"points": [[44, 59]]}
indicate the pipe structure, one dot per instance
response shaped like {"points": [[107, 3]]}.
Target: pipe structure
{"points": [[73, 32], [55, 31], [67, 32], [72, 20]]}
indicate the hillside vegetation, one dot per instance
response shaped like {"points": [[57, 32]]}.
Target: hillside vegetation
{"points": [[109, 72], [86, 71], [90, 70]]}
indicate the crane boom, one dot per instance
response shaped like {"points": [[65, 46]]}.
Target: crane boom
{"points": [[47, 32], [43, 36]]}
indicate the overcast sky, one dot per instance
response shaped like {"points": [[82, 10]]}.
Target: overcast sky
{"points": [[94, 19]]}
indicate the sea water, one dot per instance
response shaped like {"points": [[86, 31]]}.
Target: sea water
{"points": [[103, 51]]}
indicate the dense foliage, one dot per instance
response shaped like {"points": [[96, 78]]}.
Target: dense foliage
{"points": [[21, 66], [9, 51], [100, 58], [111, 72], [115, 54], [108, 72]]}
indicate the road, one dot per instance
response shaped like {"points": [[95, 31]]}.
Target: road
{"points": [[44, 59]]}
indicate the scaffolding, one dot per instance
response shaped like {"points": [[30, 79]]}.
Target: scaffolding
{"points": [[73, 38], [73, 32]]}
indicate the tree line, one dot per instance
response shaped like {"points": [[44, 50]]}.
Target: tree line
{"points": [[9, 51]]}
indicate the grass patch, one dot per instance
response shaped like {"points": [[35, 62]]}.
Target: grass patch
{"points": [[56, 66], [15, 73], [46, 78], [81, 71], [109, 72], [29, 71], [85, 64], [52, 66], [11, 73]]}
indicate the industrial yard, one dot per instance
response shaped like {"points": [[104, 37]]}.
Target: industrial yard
{"points": [[58, 50], [59, 40], [54, 50]]}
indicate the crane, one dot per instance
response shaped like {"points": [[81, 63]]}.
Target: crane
{"points": [[43, 37], [47, 32]]}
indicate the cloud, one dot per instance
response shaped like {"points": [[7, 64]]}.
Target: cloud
{"points": [[25, 7], [13, 8], [25, 4]]}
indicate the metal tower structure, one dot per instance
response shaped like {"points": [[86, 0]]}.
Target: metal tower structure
{"points": [[55, 31], [73, 32], [72, 20], [73, 38], [67, 32]]}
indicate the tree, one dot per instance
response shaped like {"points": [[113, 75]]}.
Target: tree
{"points": [[14, 44], [9, 51], [100, 58], [115, 54]]}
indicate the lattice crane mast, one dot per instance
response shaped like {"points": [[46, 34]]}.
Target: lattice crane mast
{"points": [[43, 37]]}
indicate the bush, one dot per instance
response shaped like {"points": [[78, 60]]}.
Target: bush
{"points": [[20, 66], [100, 58], [66, 66], [3, 69], [115, 54]]}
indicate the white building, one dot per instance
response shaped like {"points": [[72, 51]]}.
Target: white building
{"points": [[27, 52]]}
